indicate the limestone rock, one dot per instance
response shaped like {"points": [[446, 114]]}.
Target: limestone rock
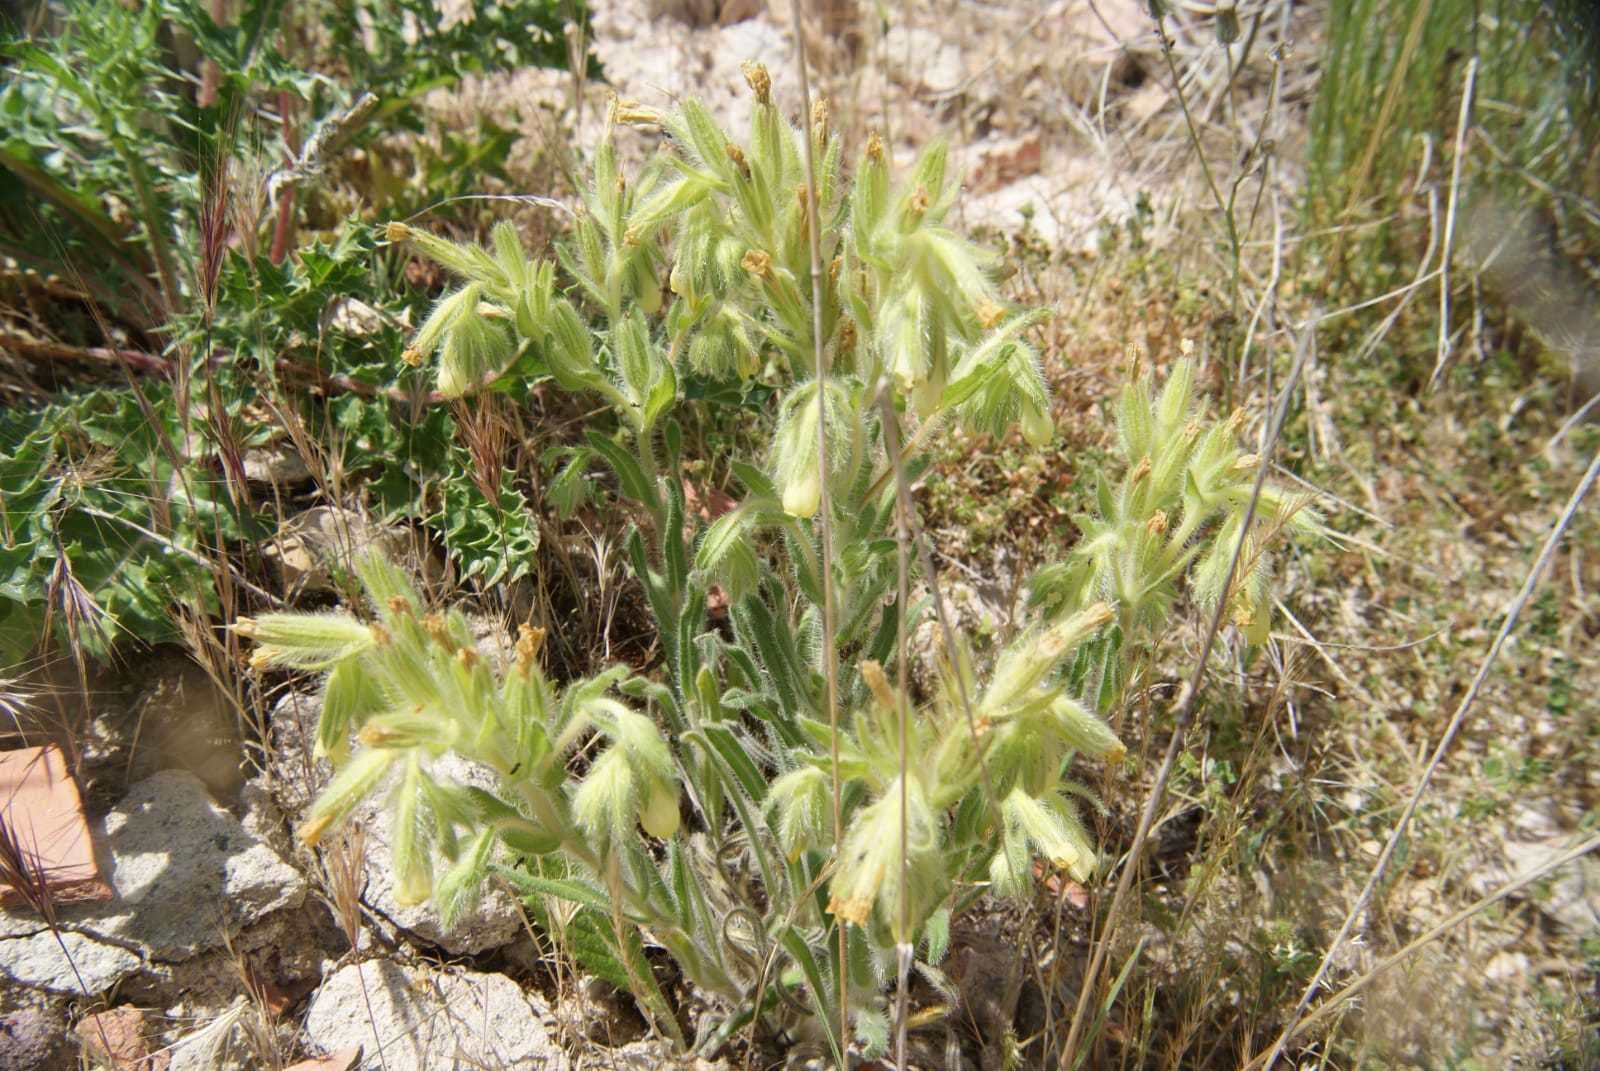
{"points": [[37, 961], [311, 546], [184, 871], [183, 868], [921, 59], [31, 1037], [279, 465], [420, 1020]]}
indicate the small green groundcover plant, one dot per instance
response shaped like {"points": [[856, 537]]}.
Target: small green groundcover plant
{"points": [[775, 835]]}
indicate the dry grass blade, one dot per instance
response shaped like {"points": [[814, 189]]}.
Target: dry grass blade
{"points": [[78, 610], [1463, 125], [21, 871], [1186, 707], [1513, 613], [343, 863]]}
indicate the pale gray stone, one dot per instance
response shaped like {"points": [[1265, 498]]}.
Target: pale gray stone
{"points": [[184, 872], [922, 59], [1570, 895], [420, 1020], [37, 961], [280, 465], [311, 546], [32, 1036]]}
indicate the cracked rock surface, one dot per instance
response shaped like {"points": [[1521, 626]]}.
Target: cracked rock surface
{"points": [[409, 1019], [185, 872]]}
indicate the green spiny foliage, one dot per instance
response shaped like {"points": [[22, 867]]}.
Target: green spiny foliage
{"points": [[703, 817]]}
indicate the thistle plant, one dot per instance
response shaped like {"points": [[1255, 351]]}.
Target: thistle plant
{"points": [[695, 808]]}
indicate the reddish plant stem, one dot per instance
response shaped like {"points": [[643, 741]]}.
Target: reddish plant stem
{"points": [[283, 231], [139, 361], [210, 72], [34, 350]]}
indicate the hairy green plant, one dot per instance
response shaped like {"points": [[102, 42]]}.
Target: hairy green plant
{"points": [[695, 807]]}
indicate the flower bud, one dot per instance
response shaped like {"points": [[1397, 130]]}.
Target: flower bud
{"points": [[1010, 872], [529, 642], [457, 892], [349, 697], [571, 350], [1053, 830], [408, 729], [1227, 24], [409, 847], [796, 467], [1085, 732], [642, 742], [660, 815], [819, 119], [1066, 635], [606, 802], [802, 495], [305, 641], [878, 685], [349, 787], [802, 799], [990, 313], [759, 81], [758, 263], [869, 877], [1037, 427], [475, 347], [920, 201], [1173, 404]]}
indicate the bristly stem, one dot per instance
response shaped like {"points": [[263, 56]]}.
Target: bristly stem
{"points": [[905, 950], [830, 656]]}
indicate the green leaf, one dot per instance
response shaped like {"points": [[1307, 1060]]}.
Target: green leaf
{"points": [[794, 943], [731, 751], [630, 476], [936, 936], [754, 480], [573, 891]]}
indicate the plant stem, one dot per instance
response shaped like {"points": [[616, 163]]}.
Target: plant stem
{"points": [[830, 654]]}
